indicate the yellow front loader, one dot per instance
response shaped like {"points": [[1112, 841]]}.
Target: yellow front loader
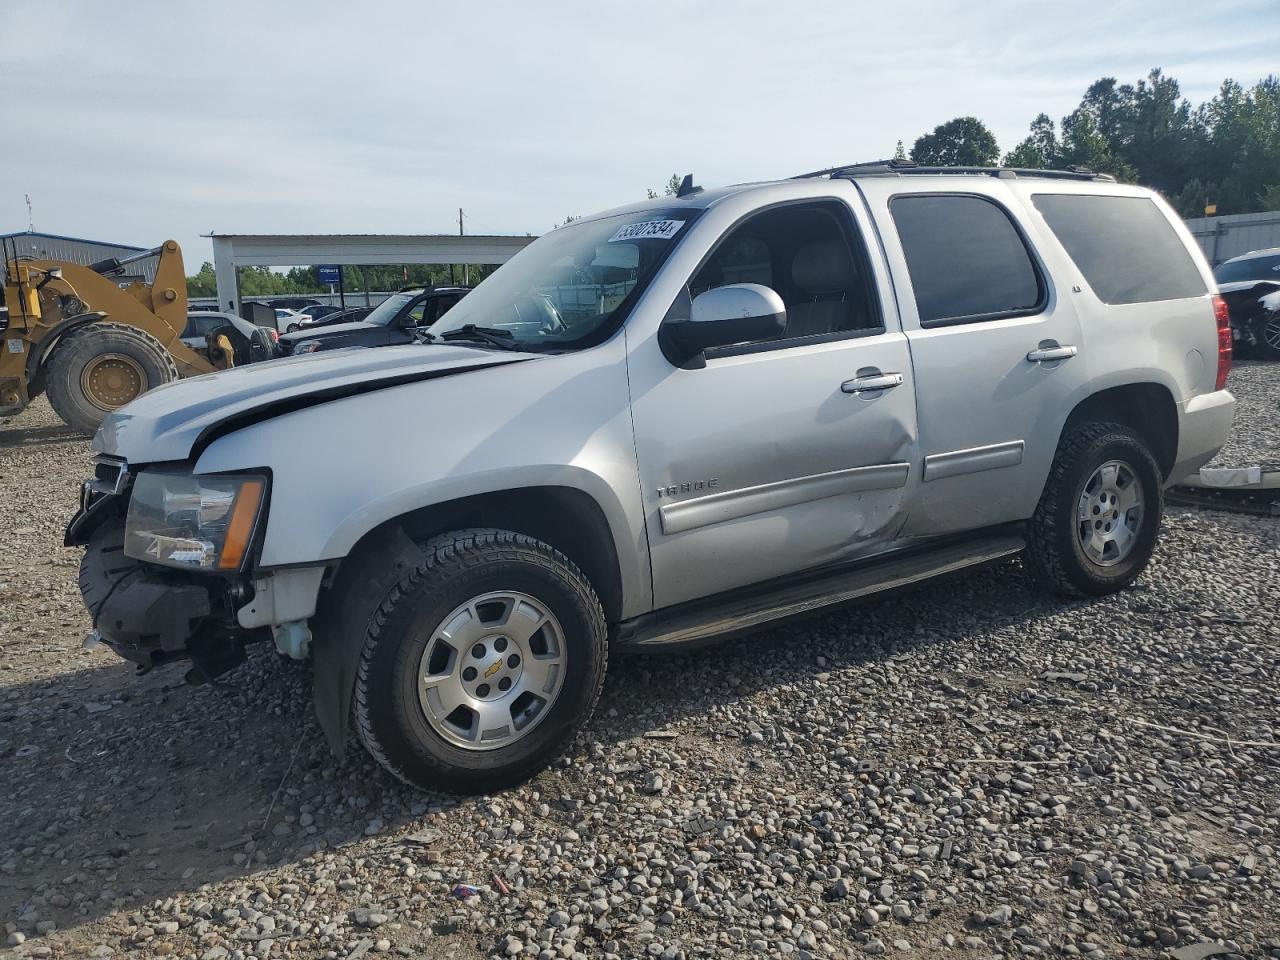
{"points": [[91, 345]]}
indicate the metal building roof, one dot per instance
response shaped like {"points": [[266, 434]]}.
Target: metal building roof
{"points": [[55, 246]]}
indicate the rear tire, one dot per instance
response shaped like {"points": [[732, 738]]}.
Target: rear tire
{"points": [[1098, 519], [456, 689], [101, 367]]}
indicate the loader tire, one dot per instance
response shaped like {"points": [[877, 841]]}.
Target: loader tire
{"points": [[100, 368]]}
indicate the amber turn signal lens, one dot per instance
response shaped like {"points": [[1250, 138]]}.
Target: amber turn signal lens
{"points": [[240, 529]]}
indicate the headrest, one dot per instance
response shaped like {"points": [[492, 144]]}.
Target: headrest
{"points": [[822, 268]]}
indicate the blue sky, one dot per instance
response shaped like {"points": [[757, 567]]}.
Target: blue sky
{"points": [[142, 121]]}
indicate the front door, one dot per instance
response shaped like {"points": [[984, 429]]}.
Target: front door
{"points": [[781, 456]]}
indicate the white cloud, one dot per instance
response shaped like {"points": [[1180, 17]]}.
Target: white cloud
{"points": [[149, 120]]}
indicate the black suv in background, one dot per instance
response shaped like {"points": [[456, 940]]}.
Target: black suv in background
{"points": [[393, 321], [1250, 284]]}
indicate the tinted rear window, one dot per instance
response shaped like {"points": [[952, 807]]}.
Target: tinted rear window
{"points": [[1125, 247], [966, 259]]}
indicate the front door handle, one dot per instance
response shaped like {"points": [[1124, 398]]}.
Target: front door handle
{"points": [[1049, 354], [878, 381]]}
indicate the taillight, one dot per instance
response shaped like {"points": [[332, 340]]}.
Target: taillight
{"points": [[1223, 316], [275, 334]]}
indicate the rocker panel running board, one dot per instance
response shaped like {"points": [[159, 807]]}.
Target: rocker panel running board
{"points": [[744, 610]]}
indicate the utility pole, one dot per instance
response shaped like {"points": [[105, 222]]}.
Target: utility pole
{"points": [[466, 278], [31, 223]]}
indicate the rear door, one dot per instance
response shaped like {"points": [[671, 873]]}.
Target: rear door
{"points": [[996, 345]]}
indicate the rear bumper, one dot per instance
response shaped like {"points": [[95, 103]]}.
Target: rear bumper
{"points": [[1204, 423]]}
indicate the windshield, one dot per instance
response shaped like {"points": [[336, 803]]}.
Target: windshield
{"points": [[572, 287], [1255, 268], [386, 311]]}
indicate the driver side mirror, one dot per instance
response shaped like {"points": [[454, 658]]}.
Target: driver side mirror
{"points": [[721, 317]]}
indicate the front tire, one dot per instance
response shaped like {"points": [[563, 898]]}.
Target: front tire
{"points": [[1098, 519], [480, 664]]}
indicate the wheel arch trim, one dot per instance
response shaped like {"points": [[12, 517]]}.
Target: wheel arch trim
{"points": [[626, 551], [1147, 406]]}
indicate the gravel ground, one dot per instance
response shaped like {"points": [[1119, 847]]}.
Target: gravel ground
{"points": [[975, 769], [1255, 435]]}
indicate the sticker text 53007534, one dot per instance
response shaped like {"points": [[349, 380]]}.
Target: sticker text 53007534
{"points": [[648, 230]]}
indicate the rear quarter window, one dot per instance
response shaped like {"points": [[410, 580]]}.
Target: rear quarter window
{"points": [[1125, 247]]}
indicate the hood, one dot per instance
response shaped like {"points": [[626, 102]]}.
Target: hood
{"points": [[318, 331], [174, 421]]}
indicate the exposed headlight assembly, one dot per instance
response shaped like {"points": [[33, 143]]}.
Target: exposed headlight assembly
{"points": [[205, 522], [307, 346]]}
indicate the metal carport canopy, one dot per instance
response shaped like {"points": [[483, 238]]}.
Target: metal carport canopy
{"points": [[233, 250]]}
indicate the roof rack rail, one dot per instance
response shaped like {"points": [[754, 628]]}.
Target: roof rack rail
{"points": [[903, 167]]}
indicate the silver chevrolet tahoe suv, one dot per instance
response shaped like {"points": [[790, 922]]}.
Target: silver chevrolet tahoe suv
{"points": [[677, 420]]}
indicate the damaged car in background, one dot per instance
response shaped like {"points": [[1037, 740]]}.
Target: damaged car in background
{"points": [[1250, 284], [675, 421]]}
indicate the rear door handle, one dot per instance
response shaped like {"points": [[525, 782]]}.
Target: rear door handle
{"points": [[1048, 354], [878, 381]]}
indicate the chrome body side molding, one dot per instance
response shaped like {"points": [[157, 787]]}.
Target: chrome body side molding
{"points": [[733, 504], [955, 463]]}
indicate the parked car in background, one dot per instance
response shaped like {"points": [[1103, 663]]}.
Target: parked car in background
{"points": [[291, 320], [396, 320], [301, 304], [321, 312], [1250, 284], [677, 420], [343, 316], [249, 343]]}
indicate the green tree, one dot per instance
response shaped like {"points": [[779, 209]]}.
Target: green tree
{"points": [[1242, 150], [1082, 145], [898, 152], [671, 189], [1040, 150], [962, 142], [1194, 197], [265, 282], [204, 283]]}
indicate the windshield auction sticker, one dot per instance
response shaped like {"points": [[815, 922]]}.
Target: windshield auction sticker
{"points": [[648, 230]]}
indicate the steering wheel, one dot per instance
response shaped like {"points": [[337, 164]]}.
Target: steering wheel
{"points": [[544, 313]]}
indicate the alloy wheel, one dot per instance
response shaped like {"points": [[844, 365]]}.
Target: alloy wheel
{"points": [[1109, 513], [491, 670]]}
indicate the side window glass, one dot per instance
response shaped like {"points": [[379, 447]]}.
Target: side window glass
{"points": [[1125, 247], [419, 312], [445, 305], [811, 257], [966, 259], [740, 259]]}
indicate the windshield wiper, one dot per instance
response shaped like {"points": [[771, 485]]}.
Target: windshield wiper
{"points": [[493, 336]]}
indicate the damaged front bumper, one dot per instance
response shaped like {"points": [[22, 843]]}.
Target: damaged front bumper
{"points": [[152, 614]]}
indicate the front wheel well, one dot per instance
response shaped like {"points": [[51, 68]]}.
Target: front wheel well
{"points": [[562, 517], [1146, 408]]}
